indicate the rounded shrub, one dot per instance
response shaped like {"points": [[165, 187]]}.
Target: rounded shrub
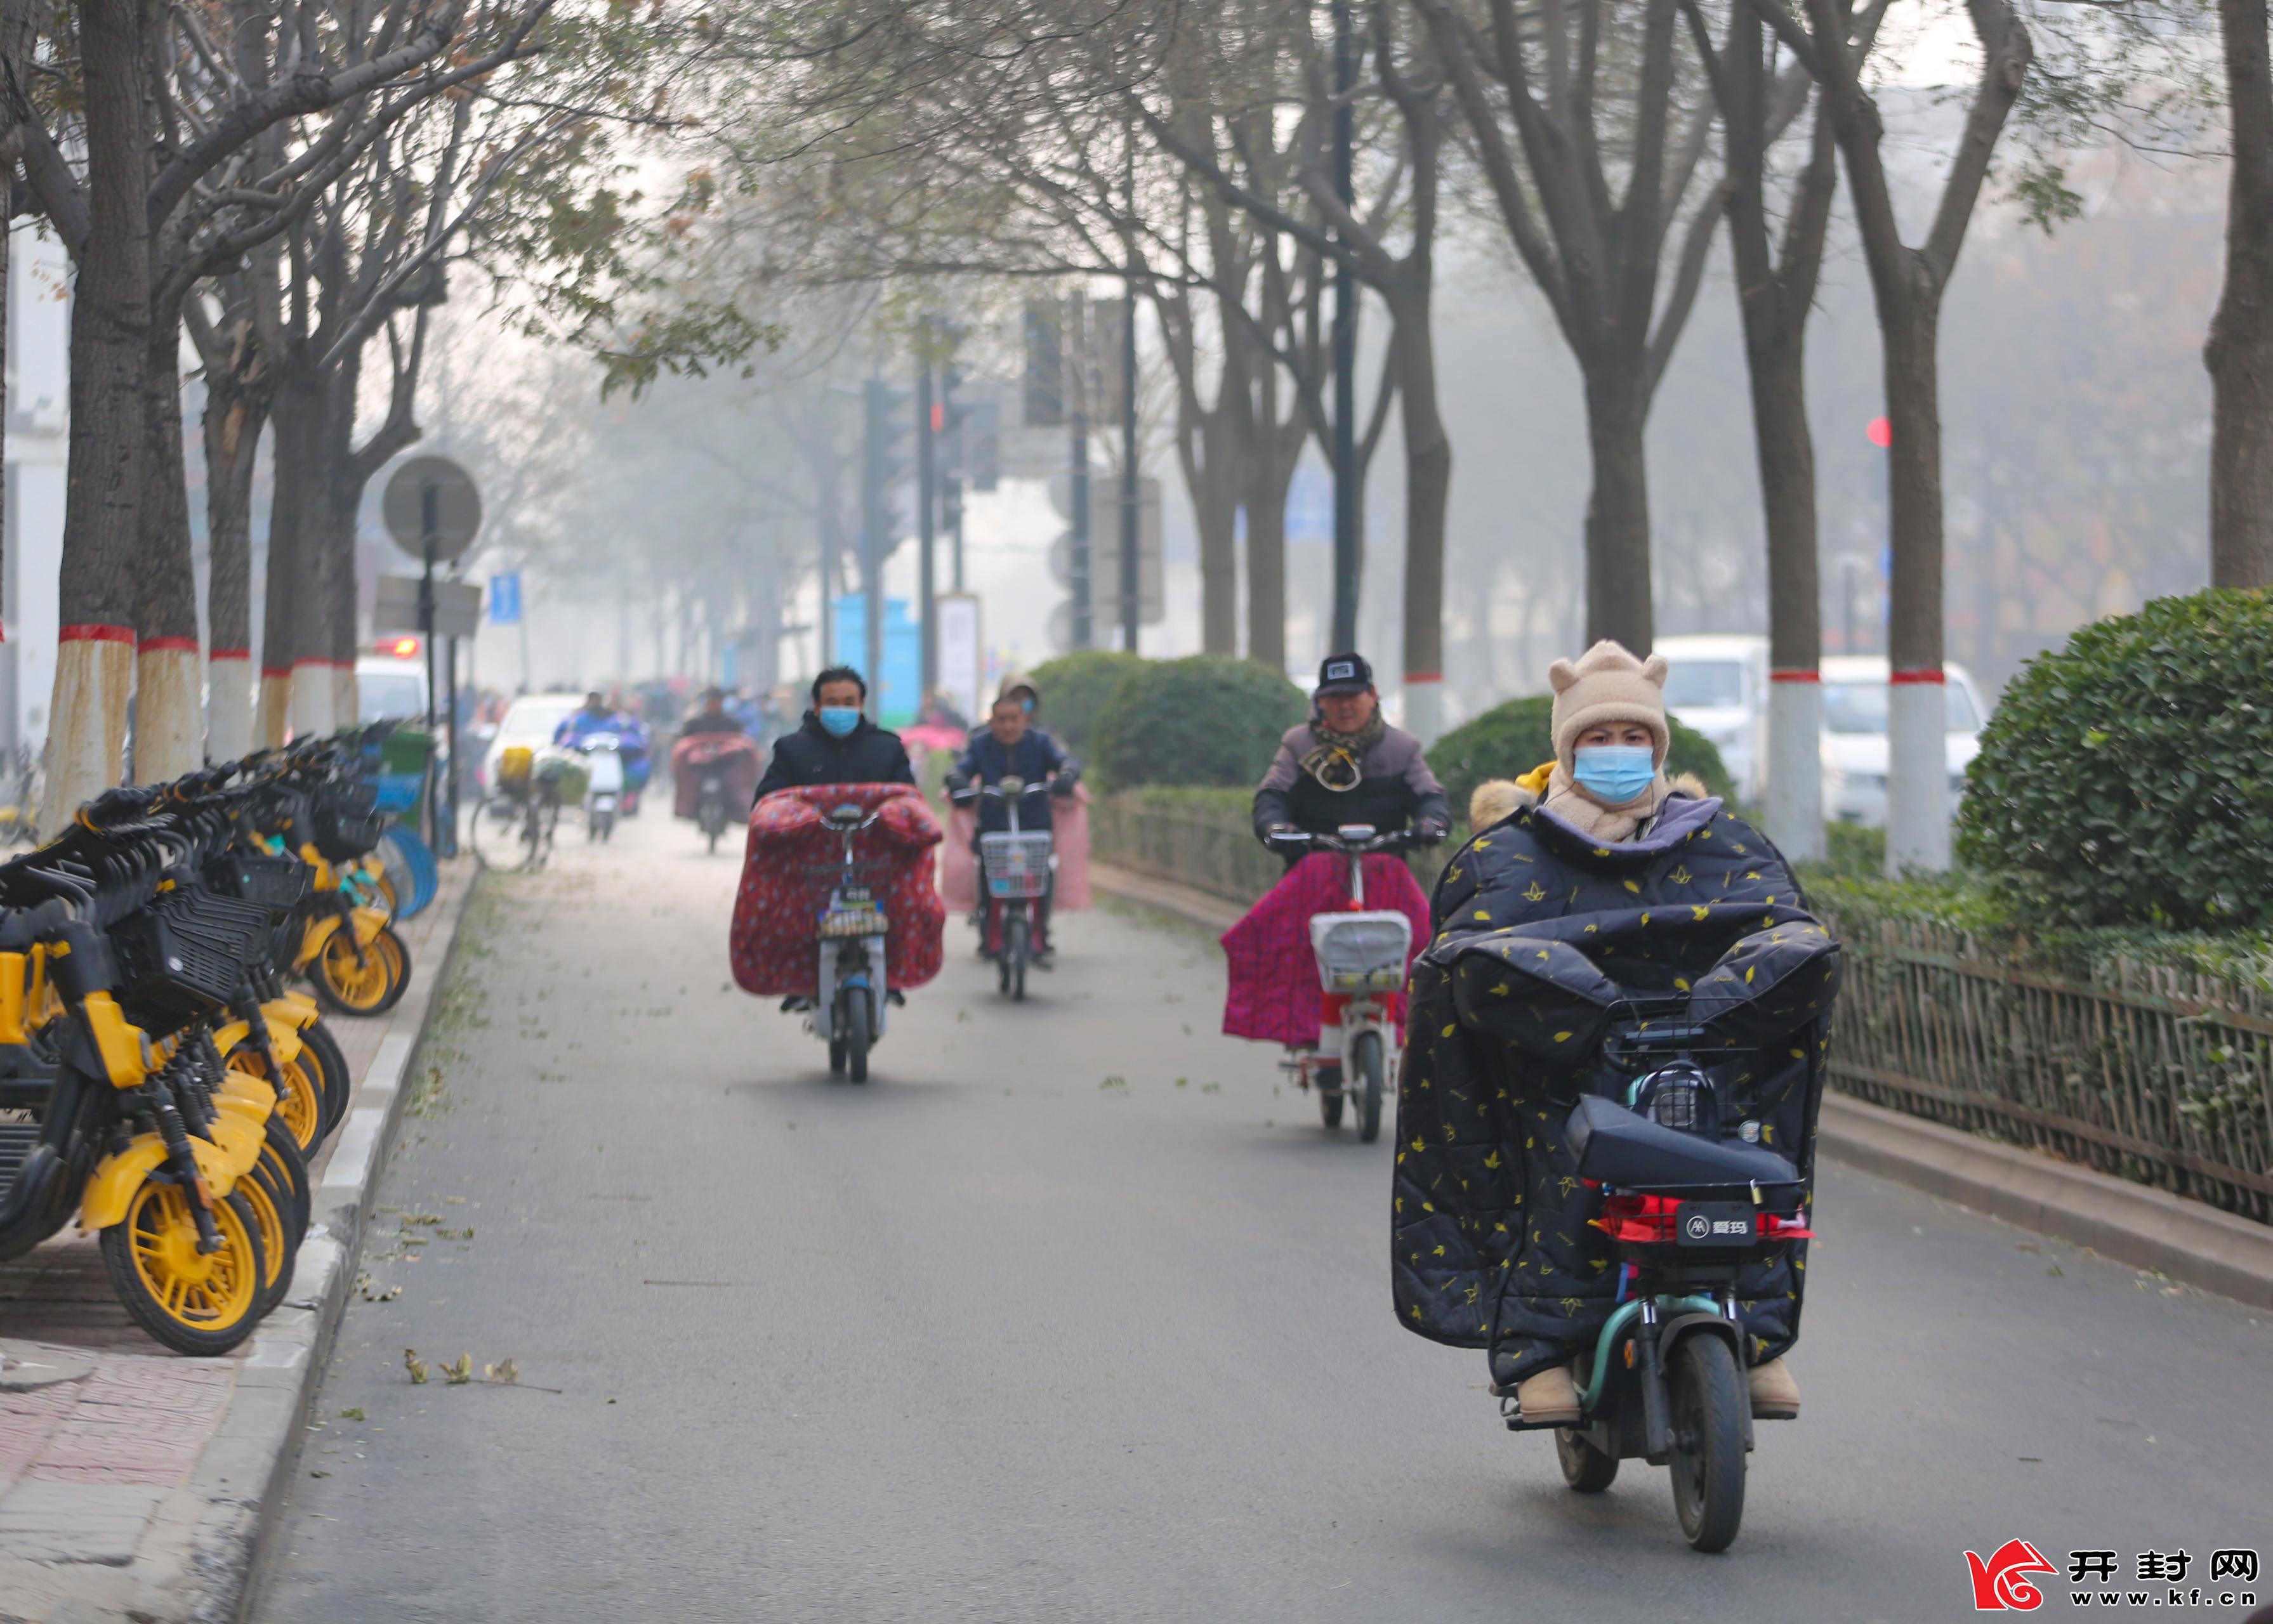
{"points": [[1074, 688], [1207, 719], [1509, 739], [2125, 778]]}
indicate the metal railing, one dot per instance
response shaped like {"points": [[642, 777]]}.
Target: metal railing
{"points": [[2156, 1076]]}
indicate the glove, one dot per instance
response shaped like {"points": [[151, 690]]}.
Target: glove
{"points": [[1430, 832], [1278, 832]]}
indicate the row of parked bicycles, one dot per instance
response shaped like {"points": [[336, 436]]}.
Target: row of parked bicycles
{"points": [[163, 1078]]}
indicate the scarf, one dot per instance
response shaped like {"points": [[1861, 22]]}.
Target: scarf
{"points": [[1335, 762]]}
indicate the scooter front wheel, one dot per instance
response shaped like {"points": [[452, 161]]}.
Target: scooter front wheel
{"points": [[1584, 1468], [1367, 1083], [1708, 1442]]}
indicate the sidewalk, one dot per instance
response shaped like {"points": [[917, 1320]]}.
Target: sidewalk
{"points": [[132, 1480]]}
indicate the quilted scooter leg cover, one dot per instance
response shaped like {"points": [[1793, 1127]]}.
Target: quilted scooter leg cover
{"points": [[1271, 991], [793, 860]]}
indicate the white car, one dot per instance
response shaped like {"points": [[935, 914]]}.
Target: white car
{"points": [[529, 721], [390, 686], [1719, 686], [1855, 735]]}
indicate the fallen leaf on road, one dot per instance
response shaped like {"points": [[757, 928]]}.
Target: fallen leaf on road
{"points": [[504, 1370], [415, 1366], [458, 1374]]}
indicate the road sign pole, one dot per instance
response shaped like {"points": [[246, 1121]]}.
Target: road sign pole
{"points": [[428, 501], [1131, 608], [925, 478], [448, 846]]}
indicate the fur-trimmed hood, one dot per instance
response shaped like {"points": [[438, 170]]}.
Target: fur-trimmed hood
{"points": [[1498, 799]]}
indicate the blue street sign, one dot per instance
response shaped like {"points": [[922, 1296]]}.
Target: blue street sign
{"points": [[505, 599]]}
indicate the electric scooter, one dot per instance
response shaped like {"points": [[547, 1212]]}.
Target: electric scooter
{"points": [[1018, 866], [1361, 953], [854, 989]]}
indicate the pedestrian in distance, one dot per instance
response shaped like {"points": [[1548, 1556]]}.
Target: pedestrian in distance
{"points": [[835, 744]]}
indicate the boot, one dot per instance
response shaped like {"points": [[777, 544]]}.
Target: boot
{"points": [[1775, 1395], [1548, 1397]]}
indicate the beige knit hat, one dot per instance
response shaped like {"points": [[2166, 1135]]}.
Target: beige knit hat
{"points": [[1607, 684]]}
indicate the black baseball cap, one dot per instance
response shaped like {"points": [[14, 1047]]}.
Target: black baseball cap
{"points": [[1344, 674]]}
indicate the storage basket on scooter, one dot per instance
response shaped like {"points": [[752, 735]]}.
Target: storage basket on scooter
{"points": [[185, 955], [344, 823], [1018, 865], [1360, 952], [276, 883]]}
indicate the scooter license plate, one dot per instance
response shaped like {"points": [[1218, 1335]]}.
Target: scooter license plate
{"points": [[1715, 1223]]}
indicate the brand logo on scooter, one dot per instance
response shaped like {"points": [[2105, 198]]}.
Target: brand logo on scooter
{"points": [[1698, 1226], [2002, 1584]]}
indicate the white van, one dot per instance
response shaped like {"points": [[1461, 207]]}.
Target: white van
{"points": [[1855, 735], [1719, 686]]}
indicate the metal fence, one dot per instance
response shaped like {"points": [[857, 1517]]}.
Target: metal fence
{"points": [[2156, 1076]]}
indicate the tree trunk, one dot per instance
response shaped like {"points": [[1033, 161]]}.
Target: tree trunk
{"points": [[1428, 488], [298, 413], [110, 334], [1618, 601], [169, 719], [237, 390], [2240, 353], [1215, 503], [1266, 537], [1918, 772]]}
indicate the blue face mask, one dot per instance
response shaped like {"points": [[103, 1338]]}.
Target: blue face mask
{"points": [[838, 720], [1614, 774]]}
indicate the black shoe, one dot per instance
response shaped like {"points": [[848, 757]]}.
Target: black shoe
{"points": [[1043, 958], [796, 1003]]}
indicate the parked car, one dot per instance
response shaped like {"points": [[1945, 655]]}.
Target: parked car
{"points": [[1855, 735], [1719, 686], [529, 721], [391, 682]]}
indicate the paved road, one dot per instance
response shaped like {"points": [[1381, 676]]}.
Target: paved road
{"points": [[1070, 1315]]}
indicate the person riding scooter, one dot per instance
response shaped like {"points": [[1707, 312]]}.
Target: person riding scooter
{"points": [[599, 716], [1010, 747], [1347, 765], [712, 717], [1602, 874], [835, 744]]}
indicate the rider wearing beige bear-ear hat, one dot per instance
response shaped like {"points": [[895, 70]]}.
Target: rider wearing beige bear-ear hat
{"points": [[1607, 778]]}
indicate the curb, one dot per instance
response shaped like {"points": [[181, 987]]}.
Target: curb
{"points": [[2131, 1223], [205, 1547]]}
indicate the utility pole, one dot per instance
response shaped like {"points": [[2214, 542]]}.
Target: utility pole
{"points": [[1130, 577], [1077, 375], [927, 426], [1347, 555]]}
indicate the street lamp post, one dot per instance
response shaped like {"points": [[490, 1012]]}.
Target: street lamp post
{"points": [[1347, 558]]}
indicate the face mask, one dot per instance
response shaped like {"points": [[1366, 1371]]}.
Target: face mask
{"points": [[1614, 774], [1026, 703], [839, 719]]}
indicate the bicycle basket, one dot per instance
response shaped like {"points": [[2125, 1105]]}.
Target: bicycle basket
{"points": [[1018, 865], [344, 823], [186, 955], [1360, 952], [274, 883]]}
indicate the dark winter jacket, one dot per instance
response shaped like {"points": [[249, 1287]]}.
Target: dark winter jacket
{"points": [[1036, 758], [724, 722], [1395, 788], [867, 755], [1537, 932]]}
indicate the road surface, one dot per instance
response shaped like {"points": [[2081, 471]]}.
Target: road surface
{"points": [[1072, 1313]]}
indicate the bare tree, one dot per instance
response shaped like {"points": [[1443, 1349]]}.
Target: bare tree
{"points": [[2240, 352]]}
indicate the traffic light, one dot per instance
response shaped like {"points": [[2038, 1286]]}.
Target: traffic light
{"points": [[884, 465], [971, 447]]}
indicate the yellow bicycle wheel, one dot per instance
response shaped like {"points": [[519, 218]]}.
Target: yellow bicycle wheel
{"points": [[371, 987], [275, 1236], [202, 1303], [299, 1096]]}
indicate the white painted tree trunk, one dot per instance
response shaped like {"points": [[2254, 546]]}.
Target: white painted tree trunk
{"points": [[1917, 776], [228, 704], [311, 713], [95, 674], [276, 718], [1424, 708], [345, 702], [1795, 765], [169, 734]]}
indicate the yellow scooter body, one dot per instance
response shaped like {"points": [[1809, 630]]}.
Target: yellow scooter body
{"points": [[284, 1035], [368, 922], [112, 1185]]}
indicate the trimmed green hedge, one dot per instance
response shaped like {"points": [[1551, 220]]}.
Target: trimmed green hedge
{"points": [[2127, 778], [1513, 738], [1073, 689], [1206, 719]]}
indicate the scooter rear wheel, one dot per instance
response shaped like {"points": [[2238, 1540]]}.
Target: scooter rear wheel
{"points": [[1329, 1085], [1708, 1442], [1366, 1055], [856, 1035], [1584, 1468]]}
